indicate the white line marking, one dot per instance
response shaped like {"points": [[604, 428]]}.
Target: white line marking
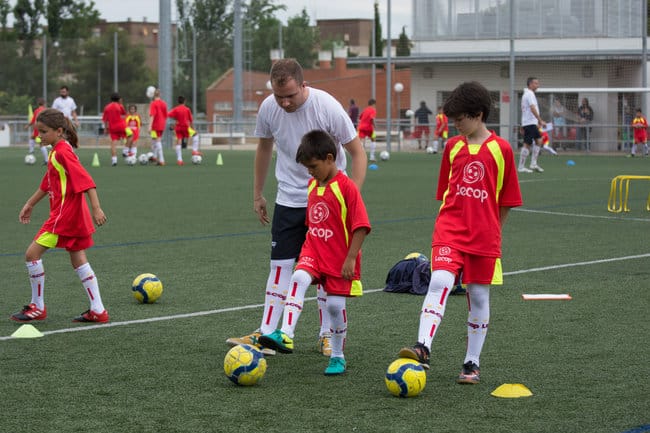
{"points": [[249, 307], [579, 215]]}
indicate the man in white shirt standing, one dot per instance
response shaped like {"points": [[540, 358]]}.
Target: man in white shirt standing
{"points": [[66, 105], [531, 121]]}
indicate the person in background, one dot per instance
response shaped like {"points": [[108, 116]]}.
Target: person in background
{"points": [[157, 123], [640, 127], [34, 139], [367, 127], [422, 130], [353, 112], [183, 128], [115, 125], [134, 122], [442, 130], [531, 121], [65, 103], [585, 116]]}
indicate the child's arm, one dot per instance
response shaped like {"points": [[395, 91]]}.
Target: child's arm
{"points": [[503, 215], [95, 208], [26, 212], [358, 237]]}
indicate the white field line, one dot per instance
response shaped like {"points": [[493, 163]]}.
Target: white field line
{"points": [[248, 307]]}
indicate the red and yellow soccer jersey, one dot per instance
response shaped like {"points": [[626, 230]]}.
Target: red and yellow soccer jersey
{"points": [[134, 122], [158, 110], [65, 181], [366, 120], [475, 182], [32, 121], [334, 212], [112, 117], [442, 125], [640, 126], [183, 116]]}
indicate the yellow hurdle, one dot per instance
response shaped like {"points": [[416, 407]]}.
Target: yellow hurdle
{"points": [[620, 191]]}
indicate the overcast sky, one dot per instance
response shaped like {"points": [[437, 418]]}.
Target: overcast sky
{"points": [[120, 10]]}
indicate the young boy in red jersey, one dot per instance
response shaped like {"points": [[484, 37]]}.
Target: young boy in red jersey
{"points": [[34, 139], [442, 130], [640, 127], [331, 255], [158, 120], [184, 130], [367, 127], [115, 125], [477, 186], [70, 223]]}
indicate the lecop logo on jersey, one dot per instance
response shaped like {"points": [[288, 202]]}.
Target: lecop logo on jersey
{"points": [[318, 213], [473, 173]]}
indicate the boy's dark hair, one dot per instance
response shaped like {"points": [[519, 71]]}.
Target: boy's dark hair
{"points": [[471, 99], [115, 97], [316, 144], [53, 118], [371, 101], [181, 99], [284, 70]]}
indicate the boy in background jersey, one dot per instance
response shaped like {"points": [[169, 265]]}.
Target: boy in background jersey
{"points": [[183, 116], [331, 255], [477, 186], [640, 127], [158, 120]]}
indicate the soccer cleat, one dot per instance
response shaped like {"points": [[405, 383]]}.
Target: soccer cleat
{"points": [[30, 312], [161, 163], [196, 152], [536, 168], [324, 344], [251, 339], [524, 170], [91, 316], [336, 366], [470, 374], [179, 162], [277, 340], [113, 164], [549, 149], [419, 353]]}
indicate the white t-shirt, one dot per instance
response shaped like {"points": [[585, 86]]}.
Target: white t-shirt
{"points": [[320, 111], [65, 105], [528, 100]]}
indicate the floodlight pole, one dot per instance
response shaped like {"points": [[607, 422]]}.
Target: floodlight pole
{"points": [[164, 57], [389, 112]]}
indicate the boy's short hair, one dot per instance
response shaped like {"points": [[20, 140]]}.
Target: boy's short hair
{"points": [[181, 99], [471, 99], [115, 97], [315, 144]]}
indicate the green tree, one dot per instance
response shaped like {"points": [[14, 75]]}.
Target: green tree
{"points": [[379, 42], [403, 44], [69, 19], [301, 40], [262, 32]]}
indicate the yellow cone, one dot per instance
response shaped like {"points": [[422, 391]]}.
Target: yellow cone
{"points": [[27, 331], [219, 160], [511, 390], [95, 162]]}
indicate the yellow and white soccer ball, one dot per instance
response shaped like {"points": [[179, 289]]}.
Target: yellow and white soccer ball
{"points": [[405, 377], [244, 365], [147, 288], [30, 159], [197, 159], [384, 155]]}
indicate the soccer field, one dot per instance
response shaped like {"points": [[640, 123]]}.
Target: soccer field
{"points": [[158, 367]]}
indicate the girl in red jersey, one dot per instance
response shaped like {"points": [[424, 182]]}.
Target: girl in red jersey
{"points": [[133, 122], [70, 224], [331, 255], [640, 127], [477, 186]]}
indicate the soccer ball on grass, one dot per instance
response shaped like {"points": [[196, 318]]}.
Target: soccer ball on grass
{"points": [[147, 288], [30, 159], [244, 365], [131, 160], [405, 378], [143, 159], [384, 155], [197, 159]]}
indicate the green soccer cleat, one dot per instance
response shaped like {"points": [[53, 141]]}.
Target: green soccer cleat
{"points": [[336, 366], [277, 340]]}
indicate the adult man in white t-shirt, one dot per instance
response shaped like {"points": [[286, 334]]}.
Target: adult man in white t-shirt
{"points": [[284, 117], [531, 121], [66, 105]]}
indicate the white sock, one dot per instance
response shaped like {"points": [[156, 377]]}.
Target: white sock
{"points": [[45, 153], [323, 314], [533, 159], [89, 281], [195, 143], [373, 146], [36, 273], [522, 156], [133, 150], [179, 153], [113, 159], [338, 315], [277, 286], [32, 145], [433, 307], [633, 149], [300, 282], [435, 145], [159, 151], [478, 319]]}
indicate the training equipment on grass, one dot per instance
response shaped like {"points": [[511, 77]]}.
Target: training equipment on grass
{"points": [[405, 378], [373, 167], [511, 390], [219, 160], [384, 155], [197, 159], [147, 288], [143, 159], [130, 160], [244, 365], [617, 199], [95, 162], [27, 331], [30, 159]]}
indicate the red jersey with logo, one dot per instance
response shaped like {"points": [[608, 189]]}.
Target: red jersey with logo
{"points": [[113, 117], [158, 110], [134, 122], [32, 121], [475, 181], [334, 212], [640, 126], [66, 181]]}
